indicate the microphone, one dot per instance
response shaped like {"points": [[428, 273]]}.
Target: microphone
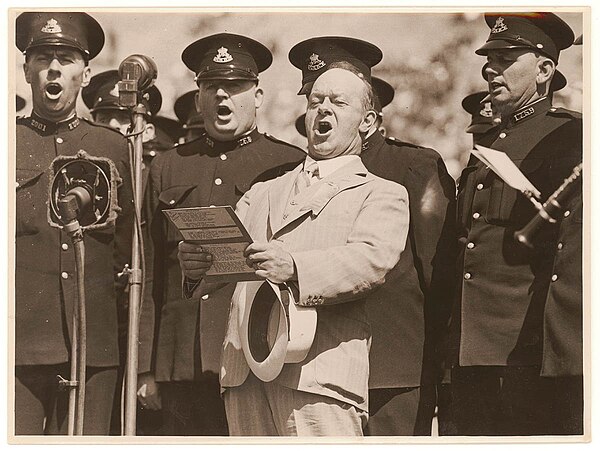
{"points": [[83, 188], [138, 73]]}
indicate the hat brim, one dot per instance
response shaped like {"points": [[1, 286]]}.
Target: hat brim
{"points": [[499, 44], [479, 128], [226, 74], [267, 340]]}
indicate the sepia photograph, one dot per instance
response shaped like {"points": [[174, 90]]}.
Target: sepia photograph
{"points": [[323, 224]]}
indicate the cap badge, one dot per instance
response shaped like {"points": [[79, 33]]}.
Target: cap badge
{"points": [[315, 62], [499, 26], [52, 26], [487, 110], [115, 91], [222, 56]]}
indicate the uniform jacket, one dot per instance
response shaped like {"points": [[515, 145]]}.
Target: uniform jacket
{"points": [[563, 315], [410, 311], [498, 316], [344, 233], [180, 338], [45, 276]]}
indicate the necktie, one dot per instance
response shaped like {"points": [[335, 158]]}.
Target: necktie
{"points": [[305, 177]]}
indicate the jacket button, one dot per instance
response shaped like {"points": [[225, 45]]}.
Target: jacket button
{"points": [[476, 215], [172, 202], [218, 181], [559, 246], [554, 277], [223, 157], [205, 297], [502, 135], [470, 245], [64, 246], [567, 213], [64, 275], [467, 275], [59, 140], [480, 186]]}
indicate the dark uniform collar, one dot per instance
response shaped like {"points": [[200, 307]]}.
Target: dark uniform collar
{"points": [[225, 146], [46, 127], [529, 111], [373, 141]]}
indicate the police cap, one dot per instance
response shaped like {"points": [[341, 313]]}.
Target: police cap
{"points": [[579, 40], [102, 93], [185, 110], [479, 107], [71, 29], [226, 56], [314, 56], [543, 32]]}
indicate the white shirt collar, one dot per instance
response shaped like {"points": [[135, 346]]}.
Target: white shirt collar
{"points": [[329, 166]]}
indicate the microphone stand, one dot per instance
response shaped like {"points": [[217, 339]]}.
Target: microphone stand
{"points": [[135, 278], [69, 212]]}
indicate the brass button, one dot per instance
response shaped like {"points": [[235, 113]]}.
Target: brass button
{"points": [[172, 202], [502, 135], [480, 186], [467, 275], [64, 246], [218, 181], [223, 157], [476, 215], [205, 297], [64, 275], [567, 213], [559, 246], [554, 277], [59, 140], [470, 245]]}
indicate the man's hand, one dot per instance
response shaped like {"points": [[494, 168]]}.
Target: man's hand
{"points": [[194, 262], [271, 261], [148, 394]]}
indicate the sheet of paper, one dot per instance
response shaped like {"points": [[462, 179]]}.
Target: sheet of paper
{"points": [[221, 233], [503, 166]]}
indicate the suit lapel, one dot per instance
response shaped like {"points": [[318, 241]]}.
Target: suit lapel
{"points": [[279, 193], [314, 199]]}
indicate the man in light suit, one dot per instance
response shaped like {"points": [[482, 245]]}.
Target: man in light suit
{"points": [[335, 239]]}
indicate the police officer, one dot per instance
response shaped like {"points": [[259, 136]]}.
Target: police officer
{"points": [[479, 106], [562, 358], [497, 327], [58, 47], [215, 169], [101, 96], [411, 308], [188, 115]]}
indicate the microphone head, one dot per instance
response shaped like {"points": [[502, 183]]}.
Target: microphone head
{"points": [[140, 68]]}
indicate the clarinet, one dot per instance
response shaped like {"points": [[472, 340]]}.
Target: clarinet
{"points": [[550, 211]]}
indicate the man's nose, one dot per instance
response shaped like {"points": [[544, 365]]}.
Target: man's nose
{"points": [[222, 93], [325, 106], [54, 64]]}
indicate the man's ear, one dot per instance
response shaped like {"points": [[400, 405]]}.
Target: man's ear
{"points": [[197, 101], [87, 75], [27, 72], [258, 97], [149, 133], [368, 120], [546, 68]]}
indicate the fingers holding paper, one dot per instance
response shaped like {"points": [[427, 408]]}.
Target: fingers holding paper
{"points": [[193, 260], [271, 261]]}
